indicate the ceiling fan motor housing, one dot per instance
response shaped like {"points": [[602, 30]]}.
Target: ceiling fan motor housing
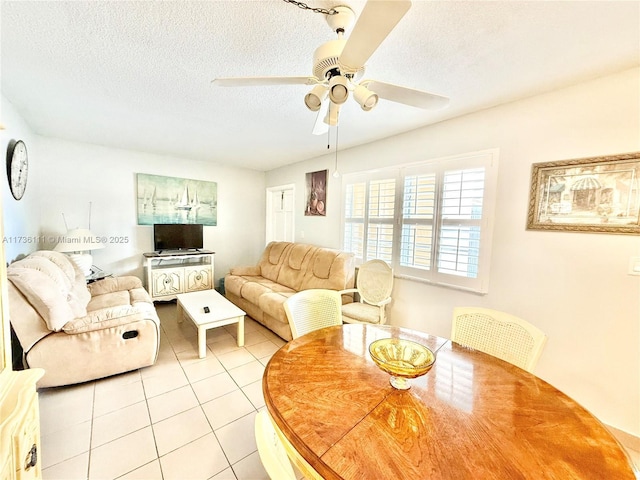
{"points": [[325, 60]]}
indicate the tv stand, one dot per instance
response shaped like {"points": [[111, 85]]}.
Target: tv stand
{"points": [[168, 273]]}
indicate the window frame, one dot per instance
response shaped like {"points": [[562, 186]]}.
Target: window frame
{"points": [[488, 159]]}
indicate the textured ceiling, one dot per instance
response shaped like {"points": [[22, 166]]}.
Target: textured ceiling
{"points": [[137, 75]]}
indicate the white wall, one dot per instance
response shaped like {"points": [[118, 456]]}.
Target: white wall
{"points": [[574, 286], [66, 176], [18, 216]]}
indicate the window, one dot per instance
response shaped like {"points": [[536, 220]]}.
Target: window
{"points": [[430, 221]]}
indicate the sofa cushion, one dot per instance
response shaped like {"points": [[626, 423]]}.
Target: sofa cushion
{"points": [[294, 267], [106, 300], [272, 304], [103, 318], [272, 259], [114, 284], [252, 291], [330, 269], [252, 270], [49, 290], [233, 284], [361, 312], [70, 269]]}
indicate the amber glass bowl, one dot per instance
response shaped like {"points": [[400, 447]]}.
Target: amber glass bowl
{"points": [[402, 359]]}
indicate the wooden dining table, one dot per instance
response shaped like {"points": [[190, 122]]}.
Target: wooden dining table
{"points": [[473, 416]]}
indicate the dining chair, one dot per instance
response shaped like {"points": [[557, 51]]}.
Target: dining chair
{"points": [[272, 453], [373, 286], [499, 334], [313, 309]]}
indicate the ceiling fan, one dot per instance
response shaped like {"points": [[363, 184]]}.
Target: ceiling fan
{"points": [[339, 64]]}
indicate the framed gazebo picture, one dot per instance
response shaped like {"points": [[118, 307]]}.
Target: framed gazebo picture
{"points": [[595, 194]]}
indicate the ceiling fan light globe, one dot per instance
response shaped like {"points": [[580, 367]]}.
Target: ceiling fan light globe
{"points": [[338, 89], [365, 97], [313, 99]]}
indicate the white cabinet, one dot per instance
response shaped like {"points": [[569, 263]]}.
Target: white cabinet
{"points": [[167, 275], [19, 414], [20, 425]]}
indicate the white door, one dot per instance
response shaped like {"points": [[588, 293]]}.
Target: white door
{"points": [[280, 214]]}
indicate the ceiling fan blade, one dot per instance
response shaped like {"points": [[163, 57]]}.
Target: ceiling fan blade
{"points": [[263, 81], [407, 96], [377, 20]]}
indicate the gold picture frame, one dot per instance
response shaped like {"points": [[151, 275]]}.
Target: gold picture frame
{"points": [[594, 194]]}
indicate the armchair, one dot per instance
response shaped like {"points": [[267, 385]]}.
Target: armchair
{"points": [[374, 283], [77, 332]]}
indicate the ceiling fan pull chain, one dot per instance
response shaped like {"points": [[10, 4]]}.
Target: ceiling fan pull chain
{"points": [[329, 130], [304, 6]]}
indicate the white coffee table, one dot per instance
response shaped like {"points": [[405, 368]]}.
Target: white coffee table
{"points": [[221, 312]]}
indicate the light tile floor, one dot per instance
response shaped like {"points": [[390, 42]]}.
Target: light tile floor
{"points": [[182, 418]]}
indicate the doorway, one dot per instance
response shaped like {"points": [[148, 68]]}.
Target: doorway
{"points": [[280, 213]]}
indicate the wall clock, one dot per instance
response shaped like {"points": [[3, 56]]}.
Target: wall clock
{"points": [[17, 168]]}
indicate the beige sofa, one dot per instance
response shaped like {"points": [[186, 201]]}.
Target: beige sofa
{"points": [[284, 269], [78, 332]]}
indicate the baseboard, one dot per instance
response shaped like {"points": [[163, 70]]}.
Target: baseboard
{"points": [[625, 438]]}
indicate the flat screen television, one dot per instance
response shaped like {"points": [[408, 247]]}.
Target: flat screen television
{"points": [[177, 236]]}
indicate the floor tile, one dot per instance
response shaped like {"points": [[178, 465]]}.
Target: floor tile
{"points": [[248, 373], [227, 409], [226, 474], [200, 459], [226, 345], [121, 379], [214, 387], [64, 444], [187, 357], [63, 407], [171, 380], [235, 358], [219, 334], [250, 468], [164, 369], [200, 370], [150, 471], [180, 344], [177, 431], [119, 423], [123, 455], [237, 438], [109, 398], [75, 468], [263, 349], [253, 337], [253, 391], [171, 403]]}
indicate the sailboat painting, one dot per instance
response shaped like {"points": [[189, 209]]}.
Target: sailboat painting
{"points": [[176, 200]]}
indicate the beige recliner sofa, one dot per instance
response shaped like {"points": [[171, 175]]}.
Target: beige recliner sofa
{"points": [[284, 269], [78, 332]]}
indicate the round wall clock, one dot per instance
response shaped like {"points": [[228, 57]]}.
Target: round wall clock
{"points": [[17, 168]]}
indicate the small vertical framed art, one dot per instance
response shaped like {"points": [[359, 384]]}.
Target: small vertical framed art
{"points": [[316, 204]]}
